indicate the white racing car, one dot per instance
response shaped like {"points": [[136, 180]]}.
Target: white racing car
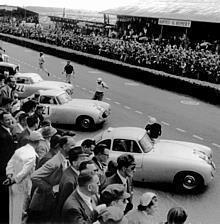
{"points": [[187, 165], [29, 83], [60, 108]]}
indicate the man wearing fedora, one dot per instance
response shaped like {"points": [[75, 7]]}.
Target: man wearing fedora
{"points": [[44, 145], [18, 171]]}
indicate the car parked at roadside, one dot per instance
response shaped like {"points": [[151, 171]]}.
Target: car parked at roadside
{"points": [[9, 68], [29, 83], [187, 165], [60, 108]]}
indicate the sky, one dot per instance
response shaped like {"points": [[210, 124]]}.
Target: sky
{"points": [[74, 4]]}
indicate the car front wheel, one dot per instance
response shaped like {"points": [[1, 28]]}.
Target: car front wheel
{"points": [[188, 182], [85, 123]]}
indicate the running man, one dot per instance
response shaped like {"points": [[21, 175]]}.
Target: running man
{"points": [[69, 71], [42, 62], [100, 88]]}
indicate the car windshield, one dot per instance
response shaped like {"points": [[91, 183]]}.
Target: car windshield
{"points": [[36, 79], [146, 144], [63, 98]]}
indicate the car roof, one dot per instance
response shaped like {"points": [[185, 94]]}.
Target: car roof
{"points": [[125, 132], [2, 63], [28, 75], [51, 92]]}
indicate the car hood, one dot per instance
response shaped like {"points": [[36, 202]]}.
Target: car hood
{"points": [[181, 149], [90, 103], [54, 84]]}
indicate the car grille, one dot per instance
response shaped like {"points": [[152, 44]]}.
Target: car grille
{"points": [[69, 91], [105, 114]]}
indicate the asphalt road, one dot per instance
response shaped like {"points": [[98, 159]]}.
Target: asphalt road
{"points": [[182, 118]]}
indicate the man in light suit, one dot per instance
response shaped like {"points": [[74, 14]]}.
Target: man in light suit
{"points": [[18, 171], [78, 208], [46, 179]]}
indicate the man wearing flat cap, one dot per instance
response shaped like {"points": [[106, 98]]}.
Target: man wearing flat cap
{"points": [[125, 171], [18, 171]]}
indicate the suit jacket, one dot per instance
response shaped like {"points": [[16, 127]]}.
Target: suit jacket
{"points": [[76, 211], [44, 179], [67, 185], [21, 165]]}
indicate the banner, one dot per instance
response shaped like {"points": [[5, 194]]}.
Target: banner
{"points": [[172, 22]]}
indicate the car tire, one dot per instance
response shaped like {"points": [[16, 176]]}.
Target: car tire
{"points": [[188, 182], [85, 123]]}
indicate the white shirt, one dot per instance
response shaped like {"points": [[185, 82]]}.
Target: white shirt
{"points": [[76, 171], [124, 180], [85, 198], [41, 59]]}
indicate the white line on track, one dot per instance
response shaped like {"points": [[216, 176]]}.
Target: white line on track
{"points": [[126, 107], [165, 123], [108, 98], [216, 145], [77, 85], [84, 88], [181, 130], [116, 102], [198, 137], [138, 112]]}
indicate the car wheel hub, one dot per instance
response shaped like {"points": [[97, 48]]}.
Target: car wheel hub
{"points": [[189, 182], [85, 123]]}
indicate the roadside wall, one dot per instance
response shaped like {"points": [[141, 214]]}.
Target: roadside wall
{"points": [[202, 90]]}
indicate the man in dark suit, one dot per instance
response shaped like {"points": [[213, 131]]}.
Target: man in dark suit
{"points": [[100, 159], [69, 178], [7, 148], [124, 175], [78, 208]]}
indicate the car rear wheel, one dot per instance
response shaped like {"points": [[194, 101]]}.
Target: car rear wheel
{"points": [[85, 123], [188, 182]]}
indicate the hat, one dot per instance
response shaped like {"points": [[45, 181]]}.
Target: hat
{"points": [[146, 198], [99, 79], [114, 192], [35, 136], [152, 120], [48, 131]]}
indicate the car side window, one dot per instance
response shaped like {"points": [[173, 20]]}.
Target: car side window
{"points": [[22, 81], [106, 142], [48, 100], [125, 145]]}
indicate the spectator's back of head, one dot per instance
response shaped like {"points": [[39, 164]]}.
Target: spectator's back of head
{"points": [[29, 106], [176, 215], [125, 160], [100, 149], [32, 121], [84, 179]]}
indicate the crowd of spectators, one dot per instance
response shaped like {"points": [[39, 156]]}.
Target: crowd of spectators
{"points": [[47, 177], [199, 60]]}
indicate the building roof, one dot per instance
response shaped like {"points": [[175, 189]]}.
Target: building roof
{"points": [[15, 9], [193, 10]]}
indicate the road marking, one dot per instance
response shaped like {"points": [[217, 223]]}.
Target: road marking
{"points": [[108, 98], [77, 85], [126, 107], [190, 102], [138, 112], [84, 88], [216, 145], [163, 122], [181, 130], [117, 103], [131, 84], [198, 137], [94, 72]]}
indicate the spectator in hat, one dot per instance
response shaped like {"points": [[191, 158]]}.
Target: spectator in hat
{"points": [[18, 171], [116, 198], [144, 214], [125, 171], [44, 146], [69, 178], [54, 148]]}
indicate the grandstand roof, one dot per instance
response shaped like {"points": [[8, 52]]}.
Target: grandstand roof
{"points": [[193, 10], [15, 9]]}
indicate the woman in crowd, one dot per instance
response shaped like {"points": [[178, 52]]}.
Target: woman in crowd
{"points": [[144, 214]]}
